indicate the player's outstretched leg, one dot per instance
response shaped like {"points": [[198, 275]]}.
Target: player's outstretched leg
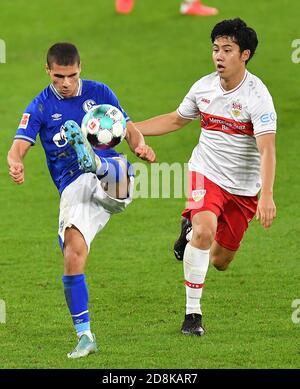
{"points": [[192, 325], [87, 160], [181, 242], [124, 6], [84, 347]]}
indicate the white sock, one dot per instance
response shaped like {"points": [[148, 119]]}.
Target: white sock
{"points": [[184, 6], [189, 235], [86, 332], [195, 265], [190, 1]]}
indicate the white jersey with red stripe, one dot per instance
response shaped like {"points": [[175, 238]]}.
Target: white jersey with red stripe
{"points": [[227, 153]]}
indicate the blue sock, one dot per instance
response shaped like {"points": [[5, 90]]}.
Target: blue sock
{"points": [[76, 294], [110, 170]]}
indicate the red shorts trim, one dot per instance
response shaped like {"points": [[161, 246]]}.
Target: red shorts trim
{"points": [[234, 212]]}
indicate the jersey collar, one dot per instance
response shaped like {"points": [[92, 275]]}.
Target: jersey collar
{"points": [[226, 92], [60, 97]]}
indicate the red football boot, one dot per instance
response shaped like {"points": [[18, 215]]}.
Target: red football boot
{"points": [[124, 6]]}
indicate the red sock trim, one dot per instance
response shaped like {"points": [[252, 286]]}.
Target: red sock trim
{"points": [[193, 285]]}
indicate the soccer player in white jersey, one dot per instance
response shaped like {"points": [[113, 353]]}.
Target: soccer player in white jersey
{"points": [[233, 161], [83, 177]]}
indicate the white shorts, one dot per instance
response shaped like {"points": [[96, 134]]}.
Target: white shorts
{"points": [[86, 206]]}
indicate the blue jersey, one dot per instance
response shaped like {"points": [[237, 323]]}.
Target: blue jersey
{"points": [[47, 113]]}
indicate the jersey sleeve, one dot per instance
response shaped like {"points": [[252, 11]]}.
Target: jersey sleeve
{"points": [[112, 99], [263, 115], [31, 122], [188, 109]]}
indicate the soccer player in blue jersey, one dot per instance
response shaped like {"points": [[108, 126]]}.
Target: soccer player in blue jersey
{"points": [[82, 175]]}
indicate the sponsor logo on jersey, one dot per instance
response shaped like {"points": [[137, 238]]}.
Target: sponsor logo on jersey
{"points": [[56, 116], [24, 121], [60, 138], [198, 194], [236, 108], [88, 105], [231, 126], [267, 118]]}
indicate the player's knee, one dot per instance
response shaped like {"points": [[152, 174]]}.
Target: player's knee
{"points": [[74, 260], [203, 236]]}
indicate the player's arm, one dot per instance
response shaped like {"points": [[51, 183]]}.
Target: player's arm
{"points": [[137, 144], [266, 209], [162, 124], [15, 159]]}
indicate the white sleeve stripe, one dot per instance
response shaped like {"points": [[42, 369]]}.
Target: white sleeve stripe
{"points": [[25, 138], [186, 117], [265, 132]]}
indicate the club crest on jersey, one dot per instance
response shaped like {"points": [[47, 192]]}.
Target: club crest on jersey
{"points": [[88, 105], [24, 121], [236, 108], [198, 194]]}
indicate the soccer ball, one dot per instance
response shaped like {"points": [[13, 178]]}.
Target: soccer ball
{"points": [[104, 126]]}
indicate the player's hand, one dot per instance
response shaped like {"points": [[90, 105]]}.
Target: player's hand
{"points": [[145, 152], [266, 210], [16, 171]]}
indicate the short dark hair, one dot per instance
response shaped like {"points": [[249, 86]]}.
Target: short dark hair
{"points": [[63, 54], [245, 37]]}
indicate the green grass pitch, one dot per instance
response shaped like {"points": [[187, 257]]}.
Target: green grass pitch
{"points": [[137, 298]]}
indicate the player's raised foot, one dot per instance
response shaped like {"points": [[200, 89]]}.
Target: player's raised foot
{"points": [[87, 159], [84, 347], [197, 9], [192, 325], [124, 6], [181, 242]]}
